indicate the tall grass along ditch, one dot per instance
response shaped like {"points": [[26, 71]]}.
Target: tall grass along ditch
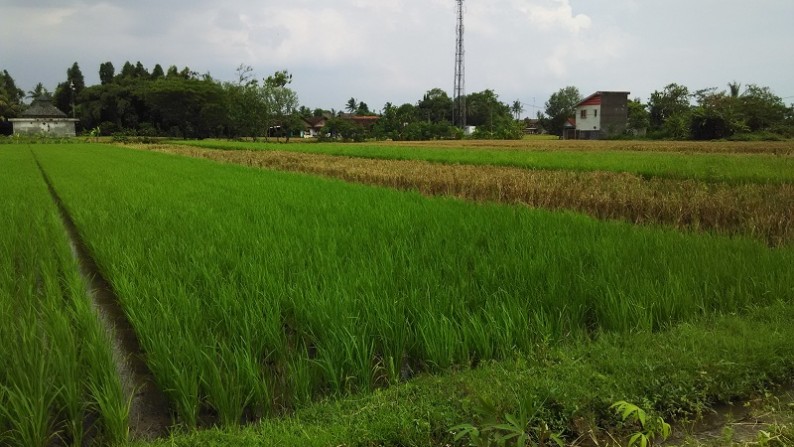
{"points": [[58, 383], [149, 414], [255, 292]]}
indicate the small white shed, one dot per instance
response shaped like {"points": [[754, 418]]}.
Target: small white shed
{"points": [[43, 118]]}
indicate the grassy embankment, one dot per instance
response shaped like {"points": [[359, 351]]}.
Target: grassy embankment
{"points": [[257, 292], [764, 211], [57, 376]]}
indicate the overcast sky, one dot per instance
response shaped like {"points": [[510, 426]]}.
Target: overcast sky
{"points": [[379, 51]]}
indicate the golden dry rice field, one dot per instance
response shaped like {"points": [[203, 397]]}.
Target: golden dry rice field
{"points": [[763, 211]]}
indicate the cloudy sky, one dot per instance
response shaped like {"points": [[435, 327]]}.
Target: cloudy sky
{"points": [[379, 51]]}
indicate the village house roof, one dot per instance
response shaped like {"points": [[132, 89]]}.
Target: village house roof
{"points": [[315, 121], [42, 108], [362, 120], [595, 99]]}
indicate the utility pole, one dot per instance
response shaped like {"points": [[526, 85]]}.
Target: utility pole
{"points": [[459, 92]]}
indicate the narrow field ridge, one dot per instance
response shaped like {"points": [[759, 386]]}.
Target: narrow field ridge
{"points": [[150, 416]]}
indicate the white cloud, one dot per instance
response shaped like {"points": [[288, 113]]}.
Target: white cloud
{"points": [[553, 14], [394, 51]]}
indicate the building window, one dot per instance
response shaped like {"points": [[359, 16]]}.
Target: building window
{"points": [[583, 114], [595, 113]]}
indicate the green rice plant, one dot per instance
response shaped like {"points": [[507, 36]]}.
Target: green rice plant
{"points": [[71, 395], [706, 166], [440, 339], [476, 331], [104, 385], [229, 274], [225, 382], [300, 374], [28, 397], [43, 315], [178, 374], [751, 209], [359, 350]]}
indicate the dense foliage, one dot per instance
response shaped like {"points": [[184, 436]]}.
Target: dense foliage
{"points": [[717, 114], [184, 104]]}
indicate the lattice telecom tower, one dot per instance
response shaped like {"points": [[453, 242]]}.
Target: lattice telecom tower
{"points": [[459, 92]]}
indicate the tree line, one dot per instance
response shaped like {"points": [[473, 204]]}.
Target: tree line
{"points": [[676, 112], [181, 103]]}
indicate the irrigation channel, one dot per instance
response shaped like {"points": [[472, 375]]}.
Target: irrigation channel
{"points": [[149, 416]]}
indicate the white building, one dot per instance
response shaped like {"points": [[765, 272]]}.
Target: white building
{"points": [[43, 118], [601, 115]]}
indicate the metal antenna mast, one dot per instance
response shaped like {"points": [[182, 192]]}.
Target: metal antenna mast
{"points": [[459, 95]]}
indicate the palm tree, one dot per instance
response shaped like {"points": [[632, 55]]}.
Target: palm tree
{"points": [[352, 105], [517, 109], [38, 92], [734, 87]]}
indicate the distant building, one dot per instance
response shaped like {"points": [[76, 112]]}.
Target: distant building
{"points": [[601, 115], [532, 127], [313, 125], [365, 121], [43, 118]]}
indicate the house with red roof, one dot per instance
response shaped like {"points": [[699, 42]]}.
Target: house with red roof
{"points": [[601, 115]]}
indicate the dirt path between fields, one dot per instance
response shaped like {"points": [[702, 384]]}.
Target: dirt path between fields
{"points": [[150, 416]]}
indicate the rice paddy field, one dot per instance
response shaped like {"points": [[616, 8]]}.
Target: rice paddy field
{"points": [[58, 380], [283, 308]]}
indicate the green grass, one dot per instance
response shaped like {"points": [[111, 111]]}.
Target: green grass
{"points": [[54, 355], [731, 168], [677, 374], [253, 291]]}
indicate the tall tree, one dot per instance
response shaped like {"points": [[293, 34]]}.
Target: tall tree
{"points": [[172, 72], [157, 72], [638, 117], [127, 71], [75, 78], [141, 71], [351, 106], [561, 106], [735, 89], [66, 93], [247, 106], [197, 108], [282, 103], [715, 116], [517, 108], [673, 101], [39, 91], [435, 106], [491, 116], [11, 96], [363, 109], [106, 73], [761, 108]]}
